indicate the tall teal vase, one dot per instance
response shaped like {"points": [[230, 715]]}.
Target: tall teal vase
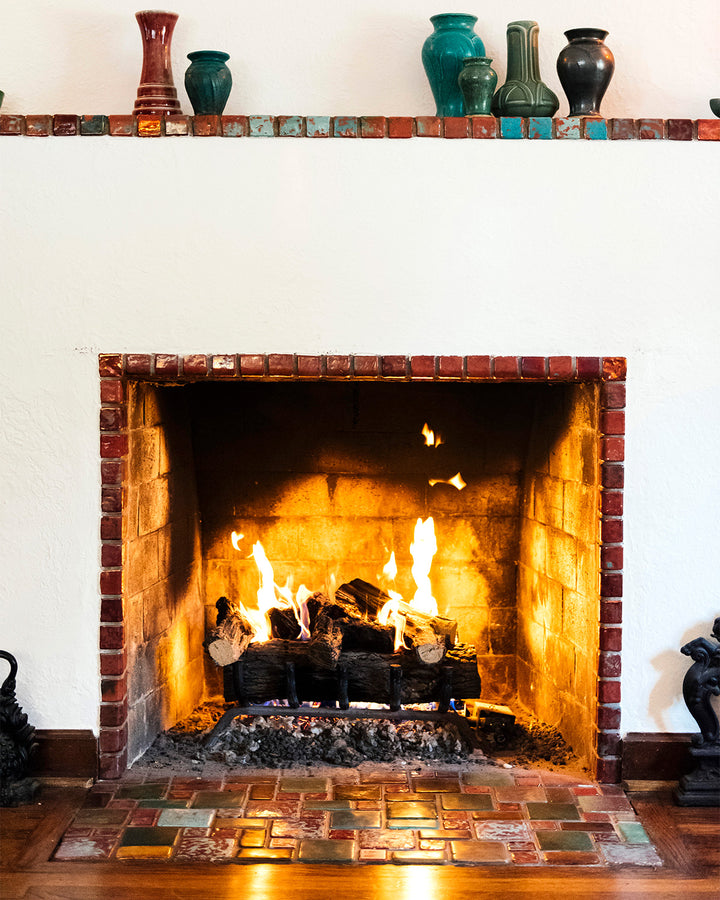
{"points": [[443, 53], [208, 82]]}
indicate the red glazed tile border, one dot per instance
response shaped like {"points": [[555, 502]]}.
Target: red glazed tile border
{"points": [[113, 368]]}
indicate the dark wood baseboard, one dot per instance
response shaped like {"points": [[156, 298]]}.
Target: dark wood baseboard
{"points": [[655, 757], [65, 754]]}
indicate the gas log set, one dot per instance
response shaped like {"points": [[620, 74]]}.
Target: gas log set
{"points": [[350, 654]]}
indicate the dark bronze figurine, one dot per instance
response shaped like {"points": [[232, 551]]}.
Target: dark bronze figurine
{"points": [[17, 743]]}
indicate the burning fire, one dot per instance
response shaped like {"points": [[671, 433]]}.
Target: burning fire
{"points": [[431, 438], [456, 481], [422, 550], [272, 596]]}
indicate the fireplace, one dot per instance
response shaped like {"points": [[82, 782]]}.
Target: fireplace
{"points": [[322, 460]]}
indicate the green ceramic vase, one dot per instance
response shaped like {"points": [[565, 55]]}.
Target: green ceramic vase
{"points": [[442, 55], [208, 81], [523, 93], [477, 82]]}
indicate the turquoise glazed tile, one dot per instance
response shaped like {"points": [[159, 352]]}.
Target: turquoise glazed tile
{"points": [[345, 126], [558, 811], [565, 840], [149, 837], [596, 129], [186, 818], [326, 851], [149, 791], [261, 126], [539, 128], [318, 126], [219, 800], [633, 833], [350, 820], [93, 125], [467, 801], [290, 126], [511, 128]]}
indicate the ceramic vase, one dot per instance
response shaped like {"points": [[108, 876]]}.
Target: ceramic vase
{"points": [[523, 93], [585, 68], [208, 82], [452, 41], [477, 82], [156, 95]]}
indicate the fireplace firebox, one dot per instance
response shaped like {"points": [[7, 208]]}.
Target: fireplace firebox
{"points": [[327, 464]]}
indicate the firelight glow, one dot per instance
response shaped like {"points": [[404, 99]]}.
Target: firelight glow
{"points": [[236, 537], [456, 481], [422, 550], [431, 438]]}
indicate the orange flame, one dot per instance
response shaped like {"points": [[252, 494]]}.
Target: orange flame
{"points": [[422, 550], [456, 481], [431, 438]]}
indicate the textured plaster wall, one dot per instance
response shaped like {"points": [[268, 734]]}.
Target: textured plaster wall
{"points": [[322, 57], [421, 246]]}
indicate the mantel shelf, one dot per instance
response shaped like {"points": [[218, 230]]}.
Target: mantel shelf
{"points": [[368, 127]]}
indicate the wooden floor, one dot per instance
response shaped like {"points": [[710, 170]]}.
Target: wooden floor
{"points": [[688, 840]]}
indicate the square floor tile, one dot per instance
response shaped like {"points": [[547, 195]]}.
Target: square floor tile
{"points": [[326, 851], [205, 849], [466, 801], [149, 791], [353, 819], [485, 852], [186, 818], [219, 800], [633, 832], [148, 837], [303, 785], [252, 839], [567, 811], [630, 854], [565, 840], [85, 848]]}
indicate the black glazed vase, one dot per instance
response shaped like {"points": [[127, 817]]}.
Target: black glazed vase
{"points": [[585, 68]]}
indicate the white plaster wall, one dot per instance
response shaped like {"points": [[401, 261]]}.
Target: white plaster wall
{"points": [[322, 57], [423, 246]]}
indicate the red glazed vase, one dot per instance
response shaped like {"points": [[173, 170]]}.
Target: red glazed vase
{"points": [[156, 94]]}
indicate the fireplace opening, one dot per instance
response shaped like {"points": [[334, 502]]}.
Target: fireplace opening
{"points": [[332, 477]]}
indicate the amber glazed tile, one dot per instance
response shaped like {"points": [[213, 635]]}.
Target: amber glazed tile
{"points": [[303, 785], [353, 819], [436, 785], [219, 800], [237, 819], [279, 854], [357, 792], [415, 824], [149, 837], [466, 801], [140, 852], [418, 810], [485, 852], [327, 851], [418, 857], [547, 811], [252, 839], [450, 834], [312, 805], [489, 779]]}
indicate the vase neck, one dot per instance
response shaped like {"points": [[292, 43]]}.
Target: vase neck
{"points": [[587, 34], [522, 42], [445, 21]]}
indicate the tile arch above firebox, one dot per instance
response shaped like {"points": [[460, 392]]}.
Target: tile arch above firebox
{"points": [[120, 372]]}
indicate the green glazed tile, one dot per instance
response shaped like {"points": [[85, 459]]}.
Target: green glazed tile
{"points": [[162, 804], [326, 851], [358, 792], [565, 840], [101, 816], [466, 801], [413, 823], [412, 811], [219, 800], [303, 785], [326, 804], [141, 792], [547, 811], [633, 833], [350, 819], [149, 837]]}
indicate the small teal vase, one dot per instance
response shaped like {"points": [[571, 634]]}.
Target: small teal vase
{"points": [[477, 82], [208, 82], [443, 53]]}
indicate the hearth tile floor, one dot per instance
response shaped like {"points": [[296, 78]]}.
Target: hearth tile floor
{"points": [[484, 816]]}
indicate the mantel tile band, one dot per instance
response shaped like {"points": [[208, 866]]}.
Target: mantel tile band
{"points": [[117, 369], [363, 127]]}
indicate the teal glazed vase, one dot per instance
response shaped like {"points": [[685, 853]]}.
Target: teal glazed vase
{"points": [[452, 41], [477, 82], [208, 81], [523, 93]]}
